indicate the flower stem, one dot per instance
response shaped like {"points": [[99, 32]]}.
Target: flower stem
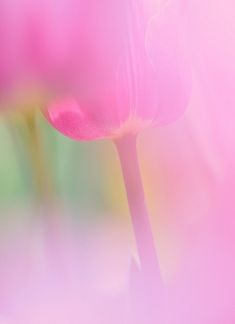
{"points": [[127, 151]]}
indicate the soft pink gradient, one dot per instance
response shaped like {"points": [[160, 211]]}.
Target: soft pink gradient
{"points": [[8, 52], [192, 181], [18, 78], [210, 32], [195, 179], [87, 275], [77, 276], [124, 69]]}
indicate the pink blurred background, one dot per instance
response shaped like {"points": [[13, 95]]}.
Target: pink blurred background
{"points": [[77, 262]]}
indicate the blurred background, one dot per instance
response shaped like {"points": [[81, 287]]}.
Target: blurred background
{"points": [[66, 233], [86, 183]]}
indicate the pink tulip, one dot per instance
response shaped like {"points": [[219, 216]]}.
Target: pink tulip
{"points": [[123, 66]]}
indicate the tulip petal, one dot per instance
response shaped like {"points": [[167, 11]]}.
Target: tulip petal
{"points": [[68, 118], [165, 47]]}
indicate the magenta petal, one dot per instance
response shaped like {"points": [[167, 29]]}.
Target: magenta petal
{"points": [[69, 119]]}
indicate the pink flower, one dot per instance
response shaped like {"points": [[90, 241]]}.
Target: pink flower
{"points": [[120, 66]]}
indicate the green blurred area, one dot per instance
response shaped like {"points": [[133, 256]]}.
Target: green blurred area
{"points": [[81, 173]]}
